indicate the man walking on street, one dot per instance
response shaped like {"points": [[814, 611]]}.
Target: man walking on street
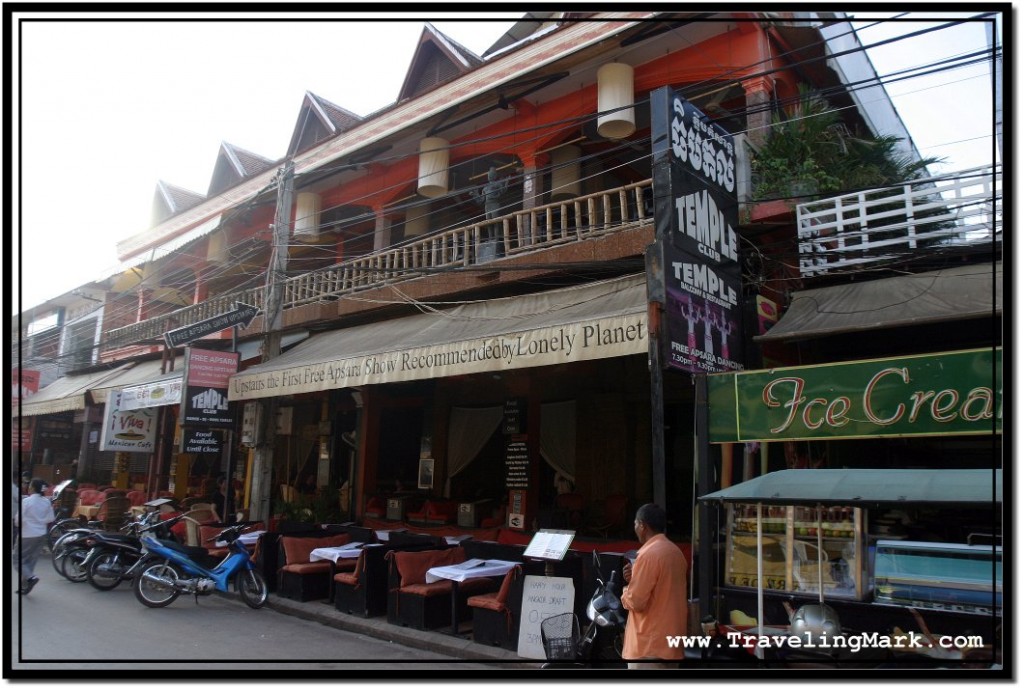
{"points": [[34, 520], [655, 595]]}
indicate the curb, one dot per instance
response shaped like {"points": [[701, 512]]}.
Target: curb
{"points": [[463, 649]]}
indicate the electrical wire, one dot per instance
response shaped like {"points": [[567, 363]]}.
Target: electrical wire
{"points": [[546, 128]]}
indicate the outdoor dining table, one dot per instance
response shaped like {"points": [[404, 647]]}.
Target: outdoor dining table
{"points": [[350, 550], [87, 512], [471, 568]]}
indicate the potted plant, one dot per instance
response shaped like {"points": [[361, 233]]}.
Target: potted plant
{"points": [[810, 152]]}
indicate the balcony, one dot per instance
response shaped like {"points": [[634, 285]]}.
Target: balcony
{"points": [[958, 211], [482, 242]]}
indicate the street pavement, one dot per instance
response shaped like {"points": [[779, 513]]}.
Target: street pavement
{"points": [[64, 627]]}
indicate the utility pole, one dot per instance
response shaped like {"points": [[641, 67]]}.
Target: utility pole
{"points": [[263, 459]]}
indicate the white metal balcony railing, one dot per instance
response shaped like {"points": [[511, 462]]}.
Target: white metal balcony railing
{"points": [[960, 209], [518, 233]]}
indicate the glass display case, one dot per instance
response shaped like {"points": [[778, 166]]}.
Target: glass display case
{"points": [[789, 546]]}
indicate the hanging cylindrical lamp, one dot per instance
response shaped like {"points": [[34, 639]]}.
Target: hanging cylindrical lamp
{"points": [[217, 247], [565, 173], [307, 215], [614, 92], [433, 167]]}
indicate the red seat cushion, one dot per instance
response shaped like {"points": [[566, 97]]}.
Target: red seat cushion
{"points": [[428, 589], [488, 601], [347, 577], [308, 567]]}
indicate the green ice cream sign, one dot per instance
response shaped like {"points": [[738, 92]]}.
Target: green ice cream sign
{"points": [[924, 395]]}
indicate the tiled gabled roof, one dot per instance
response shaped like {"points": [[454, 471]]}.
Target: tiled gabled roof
{"points": [[233, 165], [170, 200], [437, 59], [319, 119]]}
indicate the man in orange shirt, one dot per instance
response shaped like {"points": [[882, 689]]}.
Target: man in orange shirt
{"points": [[655, 595]]}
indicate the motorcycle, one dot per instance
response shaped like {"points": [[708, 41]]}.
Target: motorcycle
{"points": [[72, 549], [168, 569], [561, 637], [114, 556]]}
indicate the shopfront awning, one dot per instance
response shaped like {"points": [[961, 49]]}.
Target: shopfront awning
{"points": [[962, 292], [858, 487], [66, 393], [155, 387], [587, 322]]}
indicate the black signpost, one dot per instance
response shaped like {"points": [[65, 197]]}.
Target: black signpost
{"points": [[241, 315], [696, 218]]}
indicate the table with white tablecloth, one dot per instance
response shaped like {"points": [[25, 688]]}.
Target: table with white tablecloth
{"points": [[471, 568]]}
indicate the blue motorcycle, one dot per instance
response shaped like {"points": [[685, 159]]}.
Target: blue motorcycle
{"points": [[169, 569]]}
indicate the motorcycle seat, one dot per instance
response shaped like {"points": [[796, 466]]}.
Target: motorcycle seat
{"points": [[193, 553]]}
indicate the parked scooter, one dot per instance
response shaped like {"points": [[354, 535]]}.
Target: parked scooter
{"points": [[561, 637], [168, 569], [113, 556]]}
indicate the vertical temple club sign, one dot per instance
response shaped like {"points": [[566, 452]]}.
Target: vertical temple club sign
{"points": [[696, 214]]}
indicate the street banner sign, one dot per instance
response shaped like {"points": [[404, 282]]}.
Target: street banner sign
{"points": [[241, 315]]}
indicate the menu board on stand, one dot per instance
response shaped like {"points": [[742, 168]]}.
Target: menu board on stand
{"points": [[544, 596]]}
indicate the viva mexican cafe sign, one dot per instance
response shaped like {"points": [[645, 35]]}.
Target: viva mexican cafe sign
{"points": [[951, 393]]}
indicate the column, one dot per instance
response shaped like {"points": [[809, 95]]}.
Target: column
{"points": [[381, 229], [759, 97]]}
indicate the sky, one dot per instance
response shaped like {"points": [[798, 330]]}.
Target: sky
{"points": [[108, 108]]}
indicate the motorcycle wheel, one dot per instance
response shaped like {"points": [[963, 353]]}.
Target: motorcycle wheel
{"points": [[104, 572], [71, 565], [150, 592], [57, 558], [251, 587]]}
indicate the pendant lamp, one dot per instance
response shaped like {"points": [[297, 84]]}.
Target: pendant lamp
{"points": [[433, 167], [615, 91], [565, 173]]}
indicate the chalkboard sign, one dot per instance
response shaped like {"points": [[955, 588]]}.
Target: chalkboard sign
{"points": [[543, 597], [517, 464], [514, 414]]}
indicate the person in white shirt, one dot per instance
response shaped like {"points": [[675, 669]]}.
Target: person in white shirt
{"points": [[34, 520]]}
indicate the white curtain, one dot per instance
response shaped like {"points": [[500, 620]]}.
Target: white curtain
{"points": [[558, 437], [469, 429]]}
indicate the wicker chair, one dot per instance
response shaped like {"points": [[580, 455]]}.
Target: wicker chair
{"points": [[114, 512], [67, 502]]}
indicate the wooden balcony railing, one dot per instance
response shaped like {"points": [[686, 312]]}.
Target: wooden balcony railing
{"points": [[957, 210], [530, 230]]}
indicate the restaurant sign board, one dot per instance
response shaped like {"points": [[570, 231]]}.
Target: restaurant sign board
{"points": [[952, 393], [131, 431]]}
